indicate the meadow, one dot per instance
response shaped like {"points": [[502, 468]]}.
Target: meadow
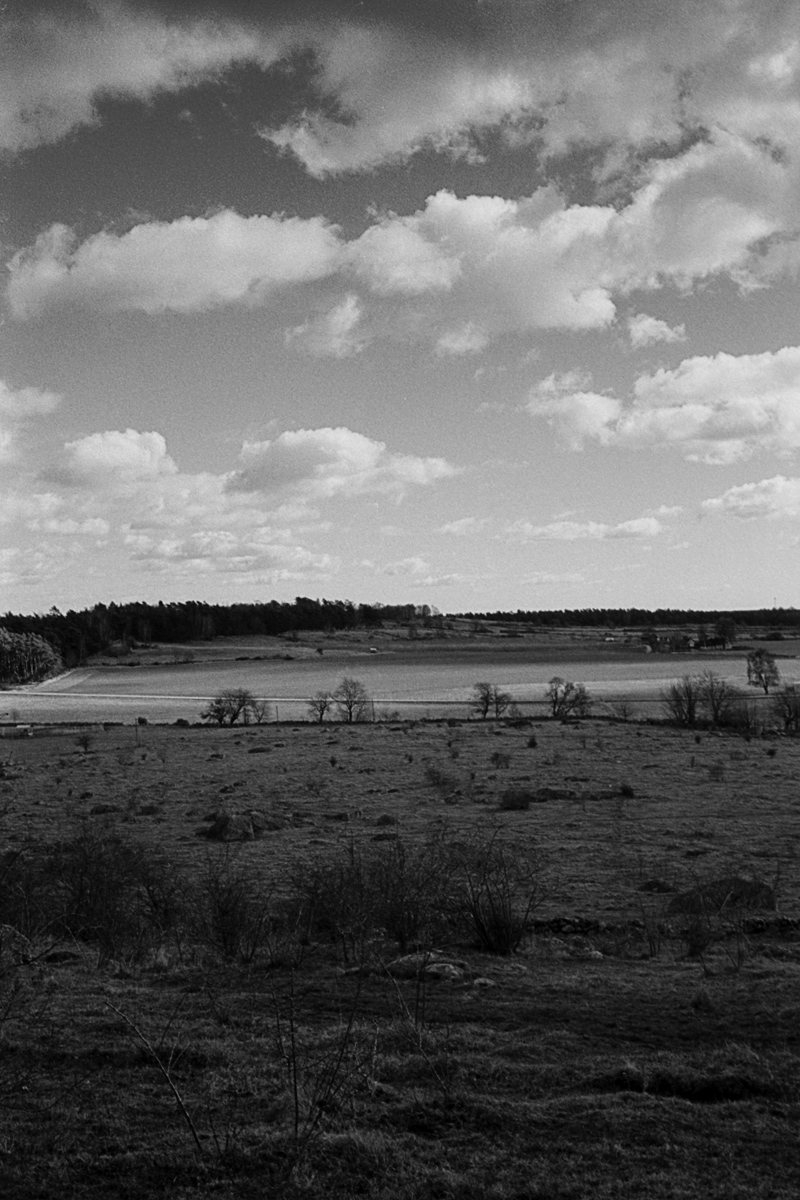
{"points": [[423, 678], [404, 959]]}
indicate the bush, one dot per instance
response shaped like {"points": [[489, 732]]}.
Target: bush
{"points": [[101, 888], [516, 799], [681, 700], [445, 783], [497, 887], [238, 918]]}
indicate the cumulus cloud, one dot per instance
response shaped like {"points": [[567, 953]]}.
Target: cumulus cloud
{"points": [[571, 531], [776, 497], [469, 339], [465, 268], [26, 402], [578, 414], [18, 405], [115, 458], [335, 334], [717, 409], [124, 490], [637, 75], [56, 66], [187, 265], [644, 330], [317, 464]]}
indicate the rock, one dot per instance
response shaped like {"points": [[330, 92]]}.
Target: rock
{"points": [[240, 826], [431, 964], [731, 891]]}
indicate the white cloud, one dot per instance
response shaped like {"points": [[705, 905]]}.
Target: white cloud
{"points": [[394, 257], [188, 265], [460, 270], [635, 75], [717, 409], [576, 413], [123, 489], [335, 334], [413, 565], [469, 339], [116, 457], [26, 402], [55, 67], [316, 464], [571, 531], [463, 526], [644, 330], [16, 406], [776, 497]]}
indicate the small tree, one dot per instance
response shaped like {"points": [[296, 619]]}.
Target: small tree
{"points": [[786, 704], [319, 705], [488, 697], [681, 700], [717, 696], [567, 699], [351, 699], [762, 670], [725, 630], [229, 705], [260, 710]]}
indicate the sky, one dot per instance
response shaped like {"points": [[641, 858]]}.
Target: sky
{"points": [[480, 304]]}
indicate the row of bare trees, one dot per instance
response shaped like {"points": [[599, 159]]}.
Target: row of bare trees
{"points": [[707, 697], [350, 701]]}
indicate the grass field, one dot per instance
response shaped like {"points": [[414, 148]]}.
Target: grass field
{"points": [[157, 1039]]}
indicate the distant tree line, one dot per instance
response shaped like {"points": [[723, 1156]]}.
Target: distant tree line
{"points": [[635, 618], [26, 657], [75, 635]]}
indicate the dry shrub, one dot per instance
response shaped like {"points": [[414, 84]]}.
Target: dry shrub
{"points": [[516, 799]]}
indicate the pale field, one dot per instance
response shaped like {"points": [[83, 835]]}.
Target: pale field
{"points": [[703, 804], [429, 680]]}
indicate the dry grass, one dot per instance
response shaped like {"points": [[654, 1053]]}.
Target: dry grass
{"points": [[600, 1063]]}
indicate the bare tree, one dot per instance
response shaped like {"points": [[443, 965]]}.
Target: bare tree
{"points": [[681, 700], [228, 706], [786, 704], [351, 699], [762, 670], [319, 705], [567, 699], [488, 697], [718, 697], [260, 710]]}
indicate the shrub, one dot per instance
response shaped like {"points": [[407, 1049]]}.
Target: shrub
{"points": [[516, 799], [102, 888], [681, 700], [497, 887], [500, 760], [238, 918], [443, 781]]}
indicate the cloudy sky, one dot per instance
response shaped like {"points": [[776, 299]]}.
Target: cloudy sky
{"points": [[474, 303]]}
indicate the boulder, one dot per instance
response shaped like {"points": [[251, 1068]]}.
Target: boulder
{"points": [[731, 891]]}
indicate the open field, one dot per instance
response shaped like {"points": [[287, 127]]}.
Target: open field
{"points": [[425, 678], [616, 1053]]}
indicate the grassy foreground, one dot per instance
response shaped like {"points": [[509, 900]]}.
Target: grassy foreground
{"points": [[219, 971]]}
